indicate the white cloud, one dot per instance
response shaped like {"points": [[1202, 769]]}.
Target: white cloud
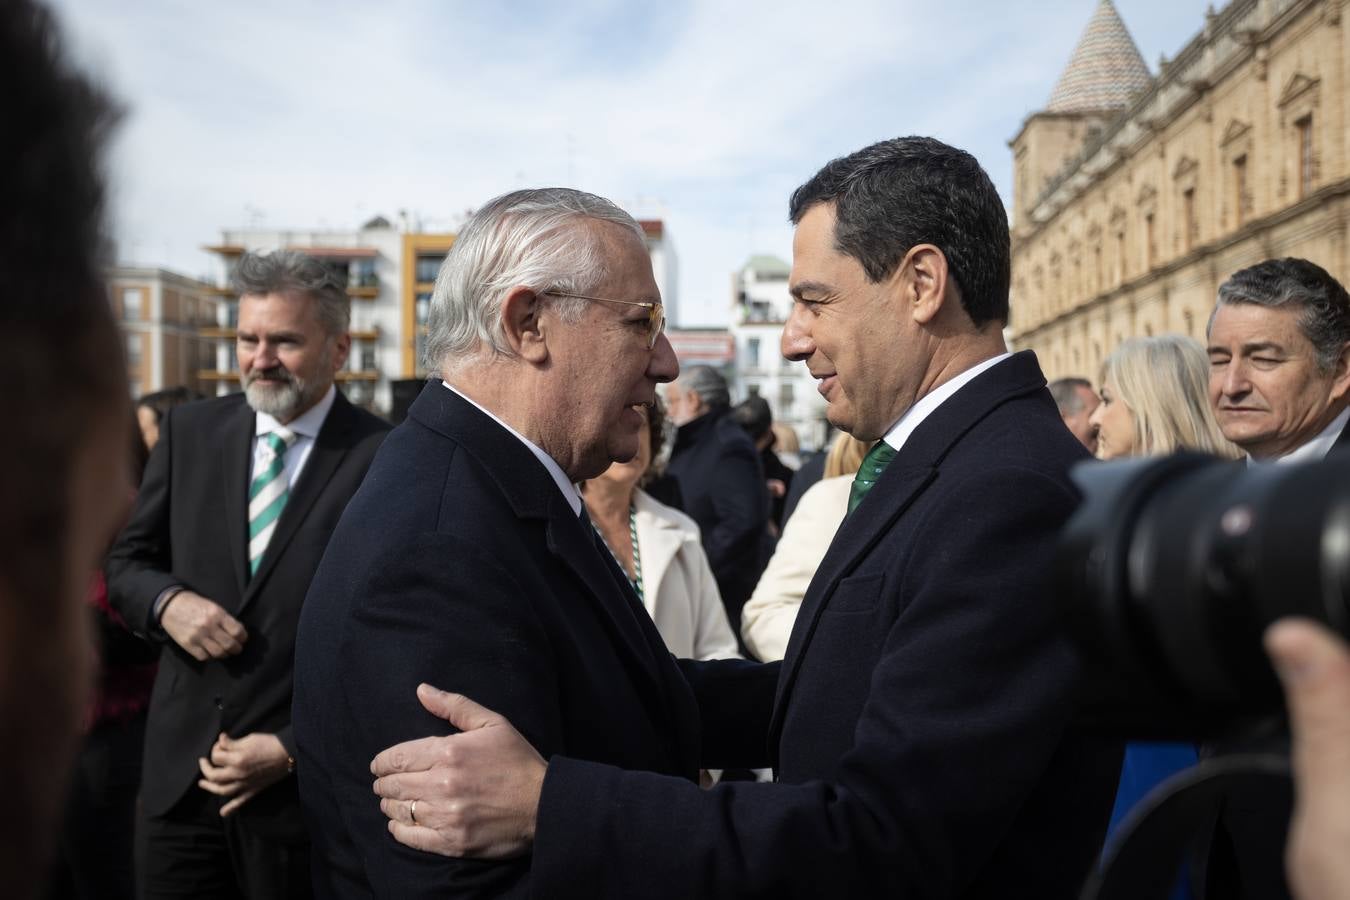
{"points": [[707, 113]]}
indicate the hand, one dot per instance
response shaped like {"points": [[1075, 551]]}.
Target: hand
{"points": [[241, 768], [202, 627], [477, 792], [1314, 665], [777, 487]]}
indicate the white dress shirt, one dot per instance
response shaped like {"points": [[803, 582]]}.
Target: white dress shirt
{"points": [[925, 405], [1312, 451], [569, 490], [306, 429]]}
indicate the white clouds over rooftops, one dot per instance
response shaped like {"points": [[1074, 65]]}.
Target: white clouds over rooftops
{"points": [[706, 114]]}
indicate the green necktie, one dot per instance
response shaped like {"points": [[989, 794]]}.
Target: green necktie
{"points": [[873, 464], [267, 494]]}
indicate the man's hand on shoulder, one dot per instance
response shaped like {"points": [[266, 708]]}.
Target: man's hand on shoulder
{"points": [[473, 794], [201, 627], [241, 768]]}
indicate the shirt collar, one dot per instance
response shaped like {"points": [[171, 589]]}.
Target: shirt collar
{"points": [[307, 424], [1313, 450], [569, 490], [925, 405]]}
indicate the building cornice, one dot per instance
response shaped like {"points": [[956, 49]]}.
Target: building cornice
{"points": [[1201, 252], [1230, 38]]}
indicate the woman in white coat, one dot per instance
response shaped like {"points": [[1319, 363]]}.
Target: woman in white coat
{"points": [[769, 614], [660, 551]]}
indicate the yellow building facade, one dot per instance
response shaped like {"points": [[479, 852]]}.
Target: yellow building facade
{"points": [[1133, 200]]}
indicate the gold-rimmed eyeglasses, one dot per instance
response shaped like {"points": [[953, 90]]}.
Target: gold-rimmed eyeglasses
{"points": [[656, 313]]}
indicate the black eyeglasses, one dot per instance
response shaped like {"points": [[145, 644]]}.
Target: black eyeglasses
{"points": [[656, 313]]}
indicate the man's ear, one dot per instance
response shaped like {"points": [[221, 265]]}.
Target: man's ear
{"points": [[521, 325], [924, 287], [342, 345], [1340, 374]]}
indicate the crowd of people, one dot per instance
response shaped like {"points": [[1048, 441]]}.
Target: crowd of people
{"points": [[540, 640]]}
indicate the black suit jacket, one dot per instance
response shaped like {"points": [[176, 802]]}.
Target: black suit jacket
{"points": [[922, 720], [722, 483], [460, 563], [190, 527]]}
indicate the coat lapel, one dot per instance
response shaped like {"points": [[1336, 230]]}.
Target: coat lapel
{"points": [[860, 532], [532, 494], [569, 539], [913, 470], [329, 448], [236, 452]]}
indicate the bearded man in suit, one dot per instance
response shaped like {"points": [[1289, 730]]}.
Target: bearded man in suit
{"points": [[236, 507]]}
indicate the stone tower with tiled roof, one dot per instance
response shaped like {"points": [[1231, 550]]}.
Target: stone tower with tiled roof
{"points": [[1104, 75], [1105, 72]]}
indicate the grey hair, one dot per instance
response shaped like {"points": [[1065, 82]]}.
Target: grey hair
{"points": [[1067, 397], [286, 271], [1302, 285], [708, 383], [529, 238]]}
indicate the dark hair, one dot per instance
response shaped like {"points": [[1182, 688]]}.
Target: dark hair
{"points": [[160, 402], [64, 372], [286, 271], [896, 194], [1276, 283], [753, 414], [656, 431], [1065, 392]]}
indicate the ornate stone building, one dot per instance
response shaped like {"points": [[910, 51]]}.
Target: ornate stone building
{"points": [[1135, 196]]}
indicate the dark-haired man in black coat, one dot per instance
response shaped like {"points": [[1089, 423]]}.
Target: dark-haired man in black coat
{"points": [[722, 482]]}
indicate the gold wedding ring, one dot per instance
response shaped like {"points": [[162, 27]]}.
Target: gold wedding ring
{"points": [[412, 812]]}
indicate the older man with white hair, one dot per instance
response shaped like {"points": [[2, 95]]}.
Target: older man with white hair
{"points": [[467, 560]]}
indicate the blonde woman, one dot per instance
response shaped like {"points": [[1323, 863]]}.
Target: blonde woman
{"points": [[768, 616], [1154, 400]]}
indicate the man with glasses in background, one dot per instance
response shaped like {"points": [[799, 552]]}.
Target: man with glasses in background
{"points": [[467, 559]]}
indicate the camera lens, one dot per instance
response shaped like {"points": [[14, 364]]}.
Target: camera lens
{"points": [[1173, 567]]}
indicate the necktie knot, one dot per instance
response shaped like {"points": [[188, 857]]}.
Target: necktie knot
{"points": [[873, 464]]}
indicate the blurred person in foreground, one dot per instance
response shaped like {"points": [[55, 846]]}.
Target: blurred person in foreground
{"points": [[766, 621], [64, 459], [468, 559], [922, 725], [240, 496], [722, 483], [1279, 354], [94, 858], [1313, 663], [1154, 402], [1076, 401], [659, 551]]}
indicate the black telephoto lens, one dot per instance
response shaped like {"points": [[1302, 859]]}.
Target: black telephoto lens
{"points": [[1173, 567]]}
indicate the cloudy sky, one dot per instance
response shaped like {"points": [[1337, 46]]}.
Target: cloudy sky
{"points": [[704, 113]]}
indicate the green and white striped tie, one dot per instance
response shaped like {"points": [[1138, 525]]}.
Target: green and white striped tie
{"points": [[267, 494]]}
